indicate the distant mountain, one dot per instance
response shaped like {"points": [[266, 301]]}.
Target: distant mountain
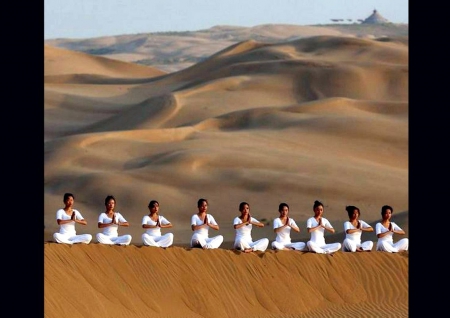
{"points": [[174, 51]]}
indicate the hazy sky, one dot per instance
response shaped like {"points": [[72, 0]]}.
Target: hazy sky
{"points": [[95, 18]]}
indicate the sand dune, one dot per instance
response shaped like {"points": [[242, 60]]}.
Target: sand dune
{"points": [[174, 51], [58, 62], [136, 281], [263, 123], [321, 117]]}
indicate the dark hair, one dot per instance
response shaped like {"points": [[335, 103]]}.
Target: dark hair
{"points": [[109, 197], [316, 204], [68, 195], [200, 201], [153, 203], [384, 209], [350, 209], [242, 204], [282, 205]]}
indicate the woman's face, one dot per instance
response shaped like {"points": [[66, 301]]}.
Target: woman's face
{"points": [[355, 215], [69, 202], [318, 211], [110, 204], [154, 208], [203, 207], [388, 214], [245, 210], [284, 211]]}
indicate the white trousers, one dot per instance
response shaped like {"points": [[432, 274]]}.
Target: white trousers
{"points": [[399, 246], [165, 240], [206, 242], [298, 246], [111, 240], [350, 246], [259, 245], [72, 239], [323, 249]]}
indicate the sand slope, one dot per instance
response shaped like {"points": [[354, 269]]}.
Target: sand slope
{"points": [[113, 281]]}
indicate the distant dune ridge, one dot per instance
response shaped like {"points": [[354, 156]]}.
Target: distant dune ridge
{"points": [[173, 51], [315, 118]]}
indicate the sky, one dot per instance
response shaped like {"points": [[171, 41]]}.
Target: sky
{"points": [[79, 19]]}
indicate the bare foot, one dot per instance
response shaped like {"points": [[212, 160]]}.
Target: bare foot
{"points": [[248, 250], [359, 249]]}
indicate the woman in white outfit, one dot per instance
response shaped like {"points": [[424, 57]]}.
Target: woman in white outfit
{"points": [[385, 231], [153, 222], [66, 218], [282, 227], [353, 229], [243, 225], [110, 221], [317, 225], [200, 224]]}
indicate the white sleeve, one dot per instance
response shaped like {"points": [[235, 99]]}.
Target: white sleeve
{"points": [[194, 219], [347, 226], [378, 228], [364, 224], [277, 223], [292, 222], [309, 223], [396, 227], [211, 219], [254, 220], [327, 223], [59, 214], [120, 217], [163, 220], [78, 215]]}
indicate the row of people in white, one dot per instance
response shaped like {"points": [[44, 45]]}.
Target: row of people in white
{"points": [[202, 221]]}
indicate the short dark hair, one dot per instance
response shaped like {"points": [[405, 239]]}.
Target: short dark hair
{"points": [[200, 201], [68, 195], [282, 205]]}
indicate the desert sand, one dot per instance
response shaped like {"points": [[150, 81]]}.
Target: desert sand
{"points": [[114, 281], [318, 118]]}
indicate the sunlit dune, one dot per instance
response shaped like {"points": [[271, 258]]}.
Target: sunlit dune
{"points": [[58, 62], [314, 118], [181, 282]]}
